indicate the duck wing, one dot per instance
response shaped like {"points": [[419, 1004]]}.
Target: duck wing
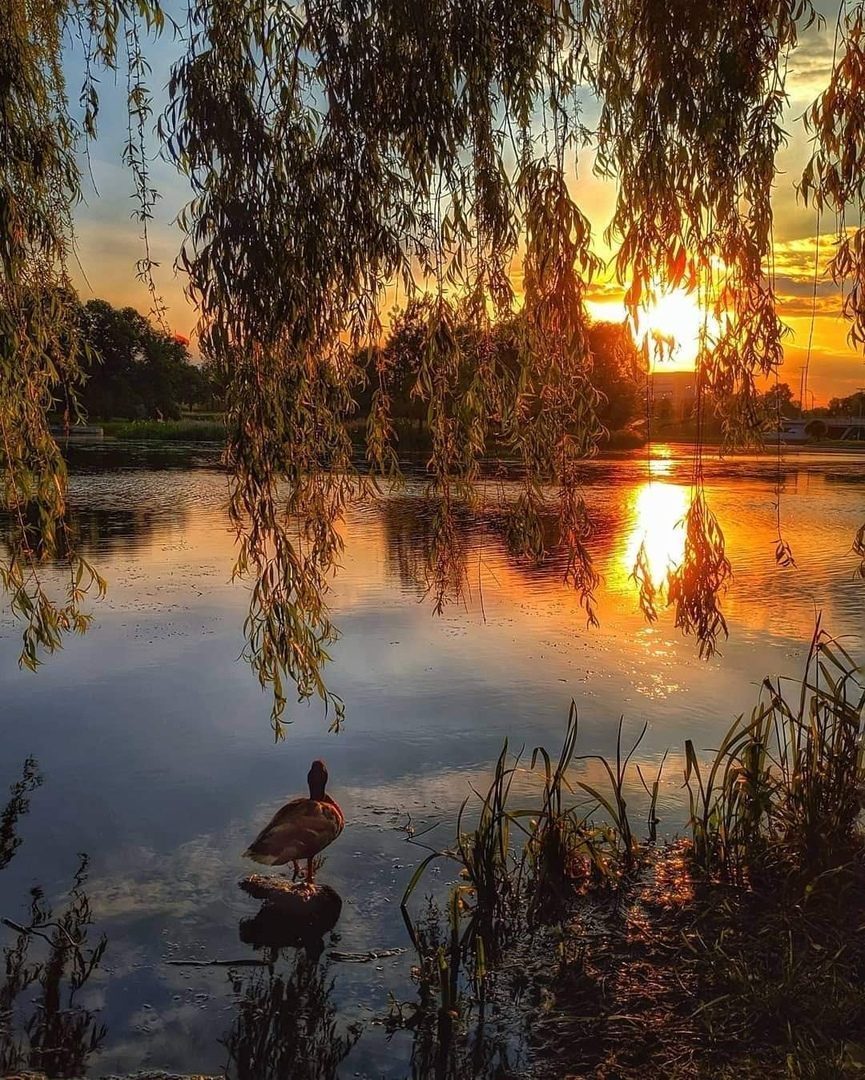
{"points": [[298, 830]]}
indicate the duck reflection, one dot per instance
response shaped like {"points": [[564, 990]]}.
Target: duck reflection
{"points": [[43, 1027], [290, 917], [285, 1027]]}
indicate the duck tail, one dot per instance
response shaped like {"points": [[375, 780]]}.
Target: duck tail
{"points": [[259, 856]]}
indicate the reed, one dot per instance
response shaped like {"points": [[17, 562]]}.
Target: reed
{"points": [[483, 906], [776, 805], [185, 430], [748, 932], [784, 790], [568, 847], [522, 866]]}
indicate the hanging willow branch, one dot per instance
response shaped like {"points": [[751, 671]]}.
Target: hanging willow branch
{"points": [[834, 178], [692, 97], [41, 346], [859, 549], [340, 154], [697, 584], [318, 183]]}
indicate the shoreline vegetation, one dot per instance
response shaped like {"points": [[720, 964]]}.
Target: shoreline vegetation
{"points": [[567, 938], [412, 437], [187, 429], [145, 387], [735, 951]]}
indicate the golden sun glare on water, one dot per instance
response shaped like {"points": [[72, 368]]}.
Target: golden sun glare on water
{"points": [[658, 523]]}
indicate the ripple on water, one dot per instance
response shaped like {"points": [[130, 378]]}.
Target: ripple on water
{"points": [[159, 761]]}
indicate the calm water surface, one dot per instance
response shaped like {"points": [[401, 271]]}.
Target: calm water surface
{"points": [[159, 762]]}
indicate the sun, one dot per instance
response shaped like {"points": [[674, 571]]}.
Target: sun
{"points": [[674, 323]]}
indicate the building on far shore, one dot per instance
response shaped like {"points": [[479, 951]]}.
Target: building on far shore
{"points": [[673, 394], [829, 428]]}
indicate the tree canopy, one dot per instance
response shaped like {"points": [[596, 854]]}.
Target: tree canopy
{"points": [[851, 405], [137, 370], [342, 151], [618, 365]]}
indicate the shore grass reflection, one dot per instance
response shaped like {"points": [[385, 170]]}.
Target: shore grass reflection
{"points": [[43, 1026], [286, 1024]]}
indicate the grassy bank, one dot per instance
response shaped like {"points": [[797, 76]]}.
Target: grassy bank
{"points": [[735, 951], [186, 430]]}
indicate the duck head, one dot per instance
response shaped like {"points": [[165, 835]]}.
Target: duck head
{"points": [[317, 779]]}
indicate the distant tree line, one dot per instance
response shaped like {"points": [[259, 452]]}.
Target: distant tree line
{"points": [[782, 397], [852, 405], [778, 401], [139, 371], [618, 373]]}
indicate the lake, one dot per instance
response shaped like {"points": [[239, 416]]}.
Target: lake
{"points": [[158, 760]]}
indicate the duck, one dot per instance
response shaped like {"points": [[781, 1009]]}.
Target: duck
{"points": [[300, 829]]}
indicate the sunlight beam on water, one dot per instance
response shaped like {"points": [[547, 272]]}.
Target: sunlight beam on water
{"points": [[658, 511]]}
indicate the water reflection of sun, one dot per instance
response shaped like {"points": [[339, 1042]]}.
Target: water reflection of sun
{"points": [[658, 524]]}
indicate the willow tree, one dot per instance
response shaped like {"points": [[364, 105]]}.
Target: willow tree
{"points": [[346, 153], [834, 179]]}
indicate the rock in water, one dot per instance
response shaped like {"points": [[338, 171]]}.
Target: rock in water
{"points": [[292, 913]]}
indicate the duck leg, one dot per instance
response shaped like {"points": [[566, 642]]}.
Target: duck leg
{"points": [[310, 876], [296, 873]]}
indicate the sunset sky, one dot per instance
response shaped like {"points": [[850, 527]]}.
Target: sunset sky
{"points": [[109, 239]]}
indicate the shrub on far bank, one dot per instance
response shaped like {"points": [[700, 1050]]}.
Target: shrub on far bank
{"points": [[165, 430]]}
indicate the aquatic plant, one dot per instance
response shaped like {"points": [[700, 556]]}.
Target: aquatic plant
{"points": [[735, 952], [785, 787], [52, 1034], [483, 905], [692, 976], [456, 1033], [859, 549], [187, 430], [777, 805], [573, 847], [16, 807], [521, 867], [442, 1004], [286, 1024]]}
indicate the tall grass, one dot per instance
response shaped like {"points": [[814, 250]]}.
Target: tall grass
{"points": [[186, 430], [569, 847], [482, 905], [770, 969], [785, 788], [782, 794], [519, 867]]}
